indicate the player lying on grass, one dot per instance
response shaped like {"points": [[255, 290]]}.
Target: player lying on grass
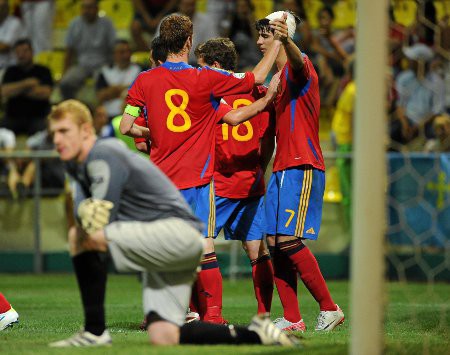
{"points": [[126, 206], [242, 154], [294, 195]]}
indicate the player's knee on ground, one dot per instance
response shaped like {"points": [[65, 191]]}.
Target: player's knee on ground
{"points": [[162, 332]]}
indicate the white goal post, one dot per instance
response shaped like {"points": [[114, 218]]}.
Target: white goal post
{"points": [[369, 179]]}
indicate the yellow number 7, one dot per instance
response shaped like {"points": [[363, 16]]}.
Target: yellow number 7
{"points": [[290, 217]]}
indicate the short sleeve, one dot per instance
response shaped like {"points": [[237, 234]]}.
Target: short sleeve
{"points": [[222, 110], [225, 83], [304, 75], [135, 95], [140, 121]]}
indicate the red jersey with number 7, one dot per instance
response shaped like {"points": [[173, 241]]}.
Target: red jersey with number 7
{"points": [[297, 119], [238, 172], [181, 103]]}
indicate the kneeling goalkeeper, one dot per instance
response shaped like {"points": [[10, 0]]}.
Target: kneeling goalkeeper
{"points": [[125, 205]]}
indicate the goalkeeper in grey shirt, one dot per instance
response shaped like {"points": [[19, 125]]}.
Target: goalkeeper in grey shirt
{"points": [[125, 205]]}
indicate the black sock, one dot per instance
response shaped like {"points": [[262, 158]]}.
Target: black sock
{"points": [[209, 333], [91, 270]]}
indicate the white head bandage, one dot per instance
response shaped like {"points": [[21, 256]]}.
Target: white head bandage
{"points": [[290, 21]]}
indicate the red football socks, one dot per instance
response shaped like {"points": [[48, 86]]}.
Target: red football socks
{"points": [[285, 277], [4, 304], [306, 265], [210, 281], [262, 273]]}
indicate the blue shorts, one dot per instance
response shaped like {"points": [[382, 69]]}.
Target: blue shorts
{"points": [[294, 202], [201, 200], [241, 219]]}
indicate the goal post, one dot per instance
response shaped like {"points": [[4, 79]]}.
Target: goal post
{"points": [[369, 179]]}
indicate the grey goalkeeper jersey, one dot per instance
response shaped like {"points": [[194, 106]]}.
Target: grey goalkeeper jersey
{"points": [[136, 187]]}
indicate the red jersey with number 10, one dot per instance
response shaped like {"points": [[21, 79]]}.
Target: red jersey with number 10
{"points": [[238, 172], [297, 119], [181, 103]]}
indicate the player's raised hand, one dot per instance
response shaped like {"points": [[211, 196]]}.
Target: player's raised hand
{"points": [[274, 86], [281, 28]]}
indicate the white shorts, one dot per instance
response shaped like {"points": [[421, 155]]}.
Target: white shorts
{"points": [[167, 252]]}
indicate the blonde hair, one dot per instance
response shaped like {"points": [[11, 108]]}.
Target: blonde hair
{"points": [[78, 111]]}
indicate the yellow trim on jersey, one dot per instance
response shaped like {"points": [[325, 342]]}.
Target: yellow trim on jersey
{"points": [[304, 202], [133, 110], [212, 210]]}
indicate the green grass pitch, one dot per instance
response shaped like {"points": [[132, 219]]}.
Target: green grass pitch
{"points": [[417, 318]]}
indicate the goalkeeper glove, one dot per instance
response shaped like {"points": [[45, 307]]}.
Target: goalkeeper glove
{"points": [[94, 214]]}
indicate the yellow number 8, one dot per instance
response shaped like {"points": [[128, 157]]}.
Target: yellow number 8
{"points": [[177, 110]]}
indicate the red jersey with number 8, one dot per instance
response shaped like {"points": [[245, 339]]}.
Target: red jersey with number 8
{"points": [[181, 103]]}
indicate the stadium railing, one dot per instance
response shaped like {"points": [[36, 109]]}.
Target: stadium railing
{"points": [[418, 211]]}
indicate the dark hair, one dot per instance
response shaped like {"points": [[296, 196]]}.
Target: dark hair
{"points": [[159, 52], [220, 50], [263, 26], [121, 41], [22, 41], [174, 31], [328, 10]]}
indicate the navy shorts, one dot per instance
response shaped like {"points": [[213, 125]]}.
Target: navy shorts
{"points": [[294, 202], [201, 200], [241, 219]]}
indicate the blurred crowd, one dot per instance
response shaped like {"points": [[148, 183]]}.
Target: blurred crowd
{"points": [[101, 57]]}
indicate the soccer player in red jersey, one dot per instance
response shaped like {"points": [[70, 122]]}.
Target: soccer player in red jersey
{"points": [[181, 103], [242, 154], [295, 192]]}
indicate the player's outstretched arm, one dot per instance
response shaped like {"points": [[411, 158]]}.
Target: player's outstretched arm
{"points": [[293, 53], [264, 66], [244, 113]]}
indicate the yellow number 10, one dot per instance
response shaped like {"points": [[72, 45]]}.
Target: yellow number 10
{"points": [[177, 110]]}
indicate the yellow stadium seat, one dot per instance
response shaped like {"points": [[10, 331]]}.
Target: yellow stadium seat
{"points": [[54, 60], [344, 14], [119, 11], [262, 8], [201, 6], [442, 8], [141, 58], [404, 11], [332, 188], [312, 8], [65, 11]]}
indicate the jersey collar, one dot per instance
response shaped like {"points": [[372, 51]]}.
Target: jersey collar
{"points": [[176, 66]]}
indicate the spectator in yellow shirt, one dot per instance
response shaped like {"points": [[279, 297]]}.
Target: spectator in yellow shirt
{"points": [[342, 127]]}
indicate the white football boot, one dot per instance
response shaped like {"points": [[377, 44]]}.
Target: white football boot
{"points": [[271, 335], [84, 339], [284, 324], [8, 318], [328, 320]]}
